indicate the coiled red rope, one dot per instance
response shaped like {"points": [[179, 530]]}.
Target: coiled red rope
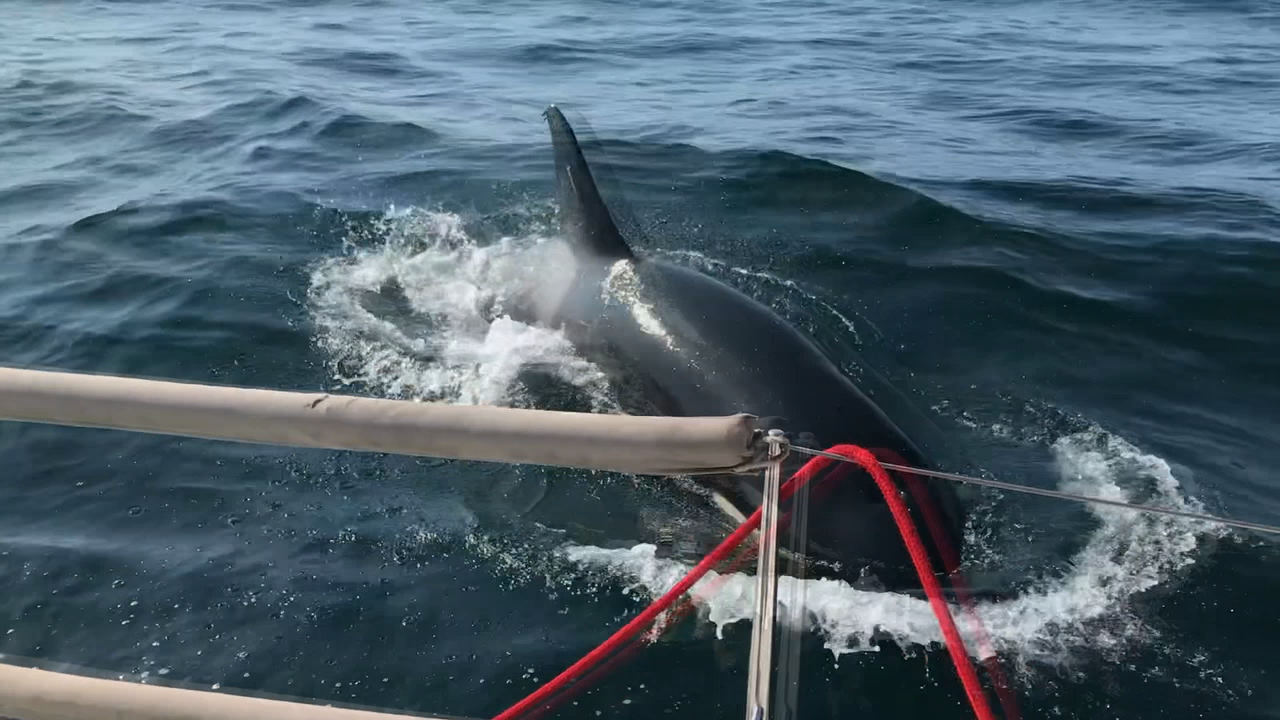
{"points": [[538, 701]]}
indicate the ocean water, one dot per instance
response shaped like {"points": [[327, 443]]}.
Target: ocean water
{"points": [[1053, 224]]}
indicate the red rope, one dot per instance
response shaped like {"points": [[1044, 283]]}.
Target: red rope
{"points": [[637, 624], [951, 559], [678, 614], [920, 558], [915, 548]]}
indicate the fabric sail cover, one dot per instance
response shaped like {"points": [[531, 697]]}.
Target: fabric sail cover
{"points": [[646, 445]]}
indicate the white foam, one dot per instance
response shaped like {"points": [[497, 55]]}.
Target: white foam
{"points": [[447, 337], [705, 263], [415, 307], [1127, 554]]}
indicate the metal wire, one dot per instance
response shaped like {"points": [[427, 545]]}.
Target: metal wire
{"points": [[1011, 487]]}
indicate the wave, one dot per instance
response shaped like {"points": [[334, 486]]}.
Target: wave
{"points": [[414, 308], [1087, 608], [379, 64]]}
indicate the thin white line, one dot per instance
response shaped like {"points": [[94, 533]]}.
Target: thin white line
{"points": [[1243, 524]]}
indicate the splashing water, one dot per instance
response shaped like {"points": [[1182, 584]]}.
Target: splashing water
{"points": [[707, 264], [1127, 554], [421, 311], [424, 312]]}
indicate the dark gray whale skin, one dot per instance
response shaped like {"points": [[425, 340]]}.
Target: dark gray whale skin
{"points": [[691, 345]]}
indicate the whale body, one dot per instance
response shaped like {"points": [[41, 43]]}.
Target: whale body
{"points": [[694, 346]]}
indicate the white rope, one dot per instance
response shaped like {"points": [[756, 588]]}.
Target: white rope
{"points": [[1058, 494]]}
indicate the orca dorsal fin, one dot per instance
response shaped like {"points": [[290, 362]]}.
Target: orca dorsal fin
{"points": [[584, 218]]}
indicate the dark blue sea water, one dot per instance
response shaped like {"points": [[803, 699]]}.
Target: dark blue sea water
{"points": [[1053, 224]]}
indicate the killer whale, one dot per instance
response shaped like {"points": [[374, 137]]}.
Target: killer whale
{"points": [[695, 346]]}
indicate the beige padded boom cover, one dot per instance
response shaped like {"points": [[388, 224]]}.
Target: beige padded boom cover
{"points": [[625, 443], [32, 694]]}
